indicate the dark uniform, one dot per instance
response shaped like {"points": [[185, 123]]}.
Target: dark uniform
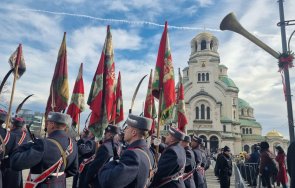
{"points": [[199, 173], [224, 168], [14, 178], [86, 150], [45, 153], [103, 155], [190, 165], [132, 170], [171, 165], [8, 144]]}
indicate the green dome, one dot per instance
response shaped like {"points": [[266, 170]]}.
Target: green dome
{"points": [[222, 66], [243, 104], [228, 82]]}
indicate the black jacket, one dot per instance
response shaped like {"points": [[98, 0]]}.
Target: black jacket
{"points": [[131, 170]]}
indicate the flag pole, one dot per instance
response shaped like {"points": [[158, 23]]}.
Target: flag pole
{"points": [[18, 58], [79, 125], [159, 124]]}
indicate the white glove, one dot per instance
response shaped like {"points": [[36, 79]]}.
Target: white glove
{"points": [[157, 141]]}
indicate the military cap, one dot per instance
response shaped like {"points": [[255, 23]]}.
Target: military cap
{"points": [[59, 117], [187, 138], [112, 129], [139, 122], [3, 115], [197, 139], [18, 121], [176, 133]]}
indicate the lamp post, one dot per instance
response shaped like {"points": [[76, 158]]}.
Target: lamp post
{"points": [[230, 23], [282, 24]]}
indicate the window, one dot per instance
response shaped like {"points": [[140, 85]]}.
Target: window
{"points": [[208, 112], [211, 45], [203, 45], [202, 111], [234, 101], [243, 130], [234, 114], [199, 77], [250, 131], [196, 46], [197, 112], [247, 132], [203, 77], [207, 76], [224, 128]]}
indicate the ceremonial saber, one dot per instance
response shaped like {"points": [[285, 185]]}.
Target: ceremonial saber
{"points": [[135, 93], [5, 79], [19, 107]]}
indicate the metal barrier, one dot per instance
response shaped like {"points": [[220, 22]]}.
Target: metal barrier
{"points": [[249, 172], [239, 181]]}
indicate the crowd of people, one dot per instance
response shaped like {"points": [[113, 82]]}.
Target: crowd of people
{"points": [[128, 157]]}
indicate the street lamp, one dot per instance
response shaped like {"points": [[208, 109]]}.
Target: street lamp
{"points": [[230, 23]]}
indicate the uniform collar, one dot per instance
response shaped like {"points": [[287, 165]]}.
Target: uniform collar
{"points": [[138, 143], [57, 133]]}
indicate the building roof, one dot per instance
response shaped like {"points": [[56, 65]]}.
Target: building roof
{"points": [[249, 123], [274, 133], [228, 82], [243, 104], [222, 66]]}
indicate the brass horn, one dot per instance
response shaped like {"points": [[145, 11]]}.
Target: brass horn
{"points": [[230, 22]]}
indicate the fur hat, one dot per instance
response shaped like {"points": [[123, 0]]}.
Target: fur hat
{"points": [[3, 115], [176, 133], [112, 129], [139, 122], [59, 117]]}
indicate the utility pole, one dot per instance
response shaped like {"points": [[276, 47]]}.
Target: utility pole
{"points": [[286, 72]]}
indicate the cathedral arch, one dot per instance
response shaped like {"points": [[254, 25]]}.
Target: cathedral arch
{"points": [[203, 45], [214, 144]]}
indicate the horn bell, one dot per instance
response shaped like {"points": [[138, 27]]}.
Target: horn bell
{"points": [[231, 23]]}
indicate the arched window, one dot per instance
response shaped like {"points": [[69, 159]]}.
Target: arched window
{"points": [[203, 77], [247, 132], [242, 112], [224, 128], [203, 45], [250, 131], [207, 76], [243, 130], [208, 112], [202, 111], [197, 112], [211, 45], [196, 46], [199, 77]]}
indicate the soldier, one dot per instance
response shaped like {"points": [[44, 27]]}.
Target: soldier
{"points": [[8, 143], [86, 152], [134, 167], [50, 160], [105, 152], [206, 161], [199, 173], [224, 167], [190, 165], [172, 162], [14, 178]]}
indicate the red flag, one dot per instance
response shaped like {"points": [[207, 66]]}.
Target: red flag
{"points": [[77, 103], [59, 89], [149, 104], [101, 97], [17, 57], [119, 102], [163, 84], [180, 113]]}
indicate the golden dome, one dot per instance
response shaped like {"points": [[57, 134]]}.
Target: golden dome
{"points": [[274, 133]]}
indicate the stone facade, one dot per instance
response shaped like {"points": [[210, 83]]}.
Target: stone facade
{"points": [[213, 107]]}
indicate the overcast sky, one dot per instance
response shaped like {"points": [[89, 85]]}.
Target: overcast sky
{"points": [[39, 26]]}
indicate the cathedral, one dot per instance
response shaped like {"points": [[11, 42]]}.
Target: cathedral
{"points": [[213, 107]]}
